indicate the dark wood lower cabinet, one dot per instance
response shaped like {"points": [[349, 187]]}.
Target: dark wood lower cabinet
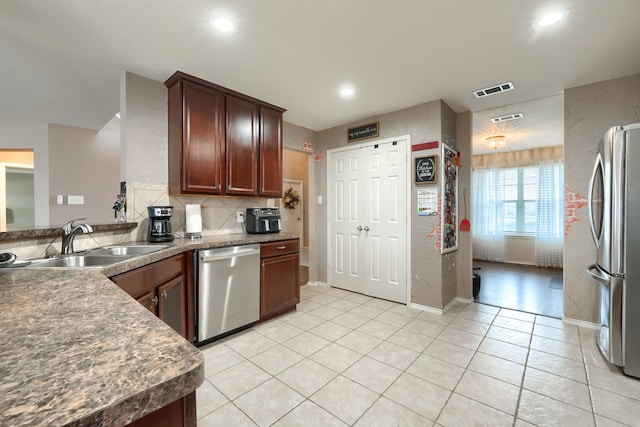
{"points": [[279, 272], [181, 413], [164, 289]]}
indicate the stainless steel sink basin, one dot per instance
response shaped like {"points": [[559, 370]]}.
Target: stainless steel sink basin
{"points": [[99, 257], [129, 250], [85, 260]]}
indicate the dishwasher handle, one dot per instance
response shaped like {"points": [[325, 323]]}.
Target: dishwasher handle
{"points": [[228, 254]]}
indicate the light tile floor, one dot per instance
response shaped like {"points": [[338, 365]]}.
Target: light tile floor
{"points": [[347, 359]]}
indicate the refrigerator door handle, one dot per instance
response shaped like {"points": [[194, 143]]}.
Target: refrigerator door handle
{"points": [[595, 272], [597, 166]]}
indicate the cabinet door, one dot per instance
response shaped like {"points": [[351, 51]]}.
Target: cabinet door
{"points": [[203, 140], [270, 153], [149, 301], [242, 147], [171, 306], [279, 290]]}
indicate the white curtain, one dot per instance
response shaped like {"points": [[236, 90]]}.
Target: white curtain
{"points": [[487, 227], [550, 215]]}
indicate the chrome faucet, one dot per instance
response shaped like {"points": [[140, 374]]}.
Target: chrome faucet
{"points": [[69, 232]]}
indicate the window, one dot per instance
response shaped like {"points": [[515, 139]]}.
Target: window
{"points": [[519, 196], [519, 201]]}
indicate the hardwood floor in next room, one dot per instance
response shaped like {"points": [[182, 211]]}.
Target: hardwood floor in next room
{"points": [[536, 290]]}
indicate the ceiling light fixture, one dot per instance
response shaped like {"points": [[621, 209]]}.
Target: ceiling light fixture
{"points": [[495, 142], [347, 91], [551, 18], [224, 25]]}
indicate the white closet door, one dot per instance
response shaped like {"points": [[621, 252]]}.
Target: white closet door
{"points": [[368, 220], [346, 251], [385, 216]]}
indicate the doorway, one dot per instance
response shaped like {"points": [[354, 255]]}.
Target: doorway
{"points": [[296, 220], [367, 218], [518, 206]]}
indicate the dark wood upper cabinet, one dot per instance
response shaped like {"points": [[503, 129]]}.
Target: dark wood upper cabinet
{"points": [[222, 142], [242, 147], [196, 139], [270, 153]]}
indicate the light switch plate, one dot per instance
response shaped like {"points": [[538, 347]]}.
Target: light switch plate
{"points": [[75, 200], [239, 216], [60, 199], [319, 200]]}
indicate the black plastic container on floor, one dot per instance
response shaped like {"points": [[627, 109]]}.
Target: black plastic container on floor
{"points": [[476, 285]]}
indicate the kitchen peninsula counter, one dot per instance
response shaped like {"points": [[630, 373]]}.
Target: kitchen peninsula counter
{"points": [[76, 350]]}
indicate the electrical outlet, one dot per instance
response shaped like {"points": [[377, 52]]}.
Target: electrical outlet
{"points": [[239, 216]]}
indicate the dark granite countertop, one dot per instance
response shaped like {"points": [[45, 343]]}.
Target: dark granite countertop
{"points": [[76, 350], [40, 232]]}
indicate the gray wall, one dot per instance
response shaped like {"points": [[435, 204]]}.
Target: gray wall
{"points": [[86, 163], [589, 112], [464, 257]]}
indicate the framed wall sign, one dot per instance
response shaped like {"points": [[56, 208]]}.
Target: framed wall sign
{"points": [[371, 130], [426, 170], [449, 214]]}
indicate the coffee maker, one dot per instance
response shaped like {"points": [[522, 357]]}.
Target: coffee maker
{"points": [[160, 224]]}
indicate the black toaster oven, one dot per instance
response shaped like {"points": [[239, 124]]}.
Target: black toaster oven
{"points": [[262, 220]]}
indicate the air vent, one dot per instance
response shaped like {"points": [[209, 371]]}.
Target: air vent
{"points": [[507, 118], [502, 87]]}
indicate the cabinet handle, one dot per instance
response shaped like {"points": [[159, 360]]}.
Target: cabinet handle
{"points": [[155, 300], [359, 228], [164, 294], [218, 187], [280, 248], [366, 228]]}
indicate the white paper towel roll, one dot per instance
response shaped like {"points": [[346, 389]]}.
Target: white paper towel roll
{"points": [[194, 219]]}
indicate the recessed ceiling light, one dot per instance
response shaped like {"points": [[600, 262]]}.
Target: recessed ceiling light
{"points": [[551, 18], [347, 91], [224, 24]]}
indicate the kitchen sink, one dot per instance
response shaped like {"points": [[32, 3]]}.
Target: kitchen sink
{"points": [[128, 250], [99, 257], [84, 260]]}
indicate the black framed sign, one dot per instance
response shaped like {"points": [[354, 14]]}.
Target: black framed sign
{"points": [[426, 170], [361, 132]]}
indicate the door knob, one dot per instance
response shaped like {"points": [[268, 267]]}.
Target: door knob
{"points": [[359, 228], [366, 228]]}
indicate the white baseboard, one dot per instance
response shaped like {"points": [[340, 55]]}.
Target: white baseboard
{"points": [[316, 283], [440, 310], [465, 300], [425, 308], [580, 323]]}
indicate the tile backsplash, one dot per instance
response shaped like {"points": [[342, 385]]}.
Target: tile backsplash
{"points": [[218, 212]]}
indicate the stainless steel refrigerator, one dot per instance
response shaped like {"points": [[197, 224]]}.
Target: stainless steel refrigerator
{"points": [[614, 212]]}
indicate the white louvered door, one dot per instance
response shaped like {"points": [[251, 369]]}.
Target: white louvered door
{"points": [[367, 199]]}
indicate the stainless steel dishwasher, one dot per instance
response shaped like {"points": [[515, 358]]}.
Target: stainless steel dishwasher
{"points": [[228, 294]]}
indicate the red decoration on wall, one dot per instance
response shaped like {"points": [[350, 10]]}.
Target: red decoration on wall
{"points": [[425, 146], [572, 202]]}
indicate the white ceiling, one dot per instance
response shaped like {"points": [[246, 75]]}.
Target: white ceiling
{"points": [[62, 60]]}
